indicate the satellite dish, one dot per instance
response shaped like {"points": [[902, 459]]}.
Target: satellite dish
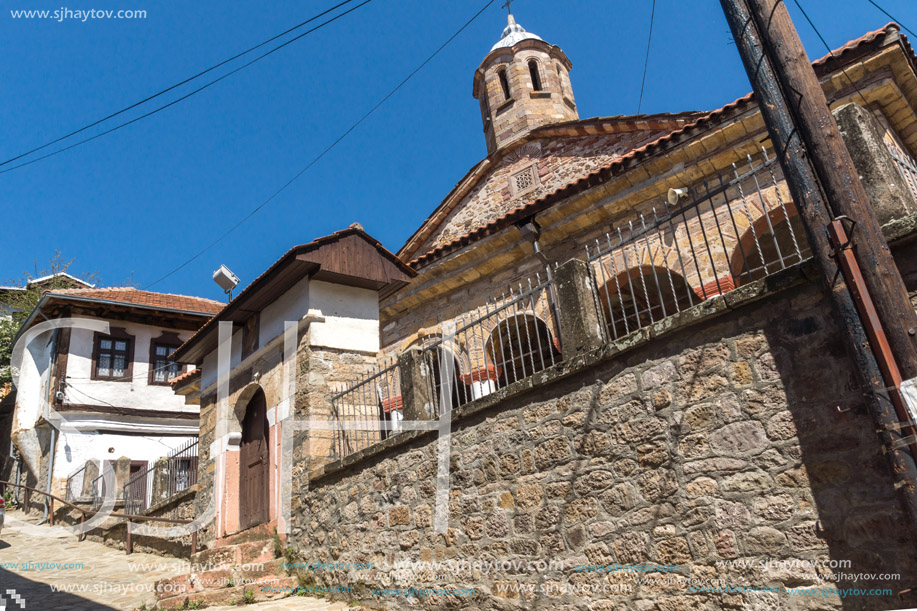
{"points": [[226, 280]]}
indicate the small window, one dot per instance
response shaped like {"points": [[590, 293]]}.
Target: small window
{"points": [[560, 78], [536, 76], [164, 369], [504, 83], [113, 357]]}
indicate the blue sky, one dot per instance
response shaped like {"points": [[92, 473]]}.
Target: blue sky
{"points": [[143, 200]]}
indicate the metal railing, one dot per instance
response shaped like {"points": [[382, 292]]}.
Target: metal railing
{"points": [[150, 485], [733, 229], [504, 341], [128, 540], [75, 481], [373, 400]]}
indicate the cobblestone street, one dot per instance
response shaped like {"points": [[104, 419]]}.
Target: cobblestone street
{"points": [[37, 562]]}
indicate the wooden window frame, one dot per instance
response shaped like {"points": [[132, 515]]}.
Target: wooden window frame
{"points": [[167, 339], [116, 333]]}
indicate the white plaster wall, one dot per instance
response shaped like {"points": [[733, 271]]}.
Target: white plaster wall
{"points": [[291, 306], [351, 317], [74, 449], [351, 321], [135, 392], [33, 380], [209, 364]]}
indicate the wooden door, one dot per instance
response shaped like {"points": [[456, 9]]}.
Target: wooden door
{"points": [[254, 463]]}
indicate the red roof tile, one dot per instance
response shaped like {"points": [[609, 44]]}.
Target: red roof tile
{"points": [[187, 376], [602, 174], [133, 296]]}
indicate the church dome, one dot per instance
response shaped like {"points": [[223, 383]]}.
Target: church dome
{"points": [[513, 33]]}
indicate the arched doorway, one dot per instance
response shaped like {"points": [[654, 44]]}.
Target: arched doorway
{"points": [[254, 464]]}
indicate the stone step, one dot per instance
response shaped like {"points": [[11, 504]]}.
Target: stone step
{"points": [[266, 588], [220, 577]]}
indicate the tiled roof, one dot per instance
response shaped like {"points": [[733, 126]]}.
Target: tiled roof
{"points": [[188, 375], [602, 174], [567, 129], [133, 296], [254, 285]]}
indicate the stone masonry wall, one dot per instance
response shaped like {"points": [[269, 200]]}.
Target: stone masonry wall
{"points": [[740, 438]]}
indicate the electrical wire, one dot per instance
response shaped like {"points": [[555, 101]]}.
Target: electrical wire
{"points": [[325, 151], [830, 51], [176, 85], [646, 62], [126, 409], [186, 96], [887, 14]]}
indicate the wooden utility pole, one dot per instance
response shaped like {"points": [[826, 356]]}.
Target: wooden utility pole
{"points": [[839, 179], [824, 186]]}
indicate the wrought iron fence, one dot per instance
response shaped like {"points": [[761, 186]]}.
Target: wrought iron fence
{"points": [[162, 480], [711, 238], [369, 410], [75, 482], [908, 168], [506, 340]]}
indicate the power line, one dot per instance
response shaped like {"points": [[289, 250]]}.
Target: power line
{"points": [[830, 51], [185, 97], [325, 151], [646, 62], [887, 14], [176, 85]]}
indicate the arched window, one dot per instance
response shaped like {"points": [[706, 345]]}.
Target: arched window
{"points": [[445, 373], [504, 83], [520, 346], [642, 296], [770, 244], [536, 76]]}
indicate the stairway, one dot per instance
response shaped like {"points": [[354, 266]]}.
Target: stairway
{"points": [[242, 568]]}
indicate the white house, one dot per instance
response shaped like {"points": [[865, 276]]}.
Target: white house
{"points": [[94, 379], [317, 307]]}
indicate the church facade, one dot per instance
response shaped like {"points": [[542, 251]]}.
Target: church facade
{"points": [[604, 348]]}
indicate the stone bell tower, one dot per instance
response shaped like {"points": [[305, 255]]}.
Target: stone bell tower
{"points": [[523, 83]]}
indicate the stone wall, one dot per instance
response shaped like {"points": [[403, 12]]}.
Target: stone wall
{"points": [[743, 437]]}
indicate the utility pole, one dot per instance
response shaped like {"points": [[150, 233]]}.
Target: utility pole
{"points": [[825, 186]]}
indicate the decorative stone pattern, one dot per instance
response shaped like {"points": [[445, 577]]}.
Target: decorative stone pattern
{"points": [[723, 442], [559, 162]]}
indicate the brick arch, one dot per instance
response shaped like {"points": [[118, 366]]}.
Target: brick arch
{"points": [[519, 346], [641, 295], [767, 244]]}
